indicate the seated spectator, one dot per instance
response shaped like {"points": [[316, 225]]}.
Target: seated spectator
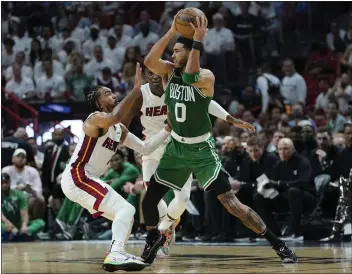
{"points": [[27, 179], [11, 143], [21, 86], [338, 140], [325, 92], [26, 71], [320, 118], [293, 87], [50, 85], [291, 178], [122, 39], [342, 92], [145, 18], [285, 128], [96, 65], [112, 52], [65, 36], [126, 30], [132, 56], [7, 54], [77, 32], [120, 173], [69, 46], [336, 121], [22, 41], [346, 60], [299, 116], [269, 87], [50, 40], [36, 53], [78, 80], [94, 41], [249, 118], [107, 80], [58, 69], [16, 223], [278, 135], [38, 155], [244, 137], [325, 159], [145, 38], [335, 39]]}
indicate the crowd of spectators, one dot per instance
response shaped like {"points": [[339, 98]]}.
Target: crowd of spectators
{"points": [[302, 116]]}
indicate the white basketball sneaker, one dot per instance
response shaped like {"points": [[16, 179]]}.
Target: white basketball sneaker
{"points": [[122, 261]]}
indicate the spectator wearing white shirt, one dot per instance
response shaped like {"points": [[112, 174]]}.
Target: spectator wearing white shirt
{"points": [[123, 40], [39, 68], [107, 80], [98, 63], [114, 53], [322, 100], [26, 71], [22, 42], [127, 30], [21, 86], [93, 41], [77, 32], [145, 18], [342, 92], [67, 36], [145, 38], [7, 54], [48, 40], [36, 52], [50, 85], [27, 178], [68, 48], [293, 87], [269, 86], [335, 39], [218, 41]]}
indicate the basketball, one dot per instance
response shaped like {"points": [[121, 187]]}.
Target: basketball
{"points": [[184, 18]]}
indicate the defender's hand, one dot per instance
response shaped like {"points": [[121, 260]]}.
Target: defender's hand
{"points": [[244, 125], [201, 29], [138, 77]]}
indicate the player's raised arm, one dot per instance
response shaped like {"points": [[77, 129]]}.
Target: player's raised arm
{"points": [[216, 110], [153, 60], [193, 74], [133, 142], [105, 117]]}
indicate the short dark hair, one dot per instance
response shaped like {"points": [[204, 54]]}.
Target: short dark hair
{"points": [[296, 129], [255, 141], [346, 125], [5, 177], [120, 153], [91, 94], [187, 43], [323, 130], [332, 101]]}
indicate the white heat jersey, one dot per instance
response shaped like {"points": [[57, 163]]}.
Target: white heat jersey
{"points": [[92, 155], [153, 117]]}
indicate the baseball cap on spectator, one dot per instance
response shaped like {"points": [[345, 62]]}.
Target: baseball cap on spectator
{"points": [[5, 177], [19, 151]]}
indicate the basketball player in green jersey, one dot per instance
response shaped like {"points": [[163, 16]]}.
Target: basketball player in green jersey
{"points": [[188, 91]]}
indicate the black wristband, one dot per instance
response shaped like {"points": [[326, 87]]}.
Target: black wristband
{"points": [[197, 45]]}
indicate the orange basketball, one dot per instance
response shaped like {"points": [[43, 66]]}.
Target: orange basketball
{"points": [[184, 18]]}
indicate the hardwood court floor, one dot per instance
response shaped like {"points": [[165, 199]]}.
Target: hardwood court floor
{"points": [[86, 257]]}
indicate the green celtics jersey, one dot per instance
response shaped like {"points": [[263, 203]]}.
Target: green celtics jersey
{"points": [[187, 107], [12, 204]]}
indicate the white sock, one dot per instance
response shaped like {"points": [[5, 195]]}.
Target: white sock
{"points": [[121, 227], [162, 208], [175, 209]]}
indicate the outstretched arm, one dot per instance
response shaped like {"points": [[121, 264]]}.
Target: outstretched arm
{"points": [[153, 60], [106, 120], [133, 142], [216, 110]]}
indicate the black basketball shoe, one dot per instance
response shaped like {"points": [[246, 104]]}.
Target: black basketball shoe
{"points": [[287, 255], [154, 241]]}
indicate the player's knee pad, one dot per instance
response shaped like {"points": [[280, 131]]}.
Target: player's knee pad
{"points": [[221, 184]]}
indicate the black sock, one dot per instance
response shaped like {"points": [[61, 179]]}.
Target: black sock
{"points": [[152, 234], [272, 239]]}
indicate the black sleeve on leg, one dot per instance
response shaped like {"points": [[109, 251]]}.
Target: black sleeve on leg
{"points": [[221, 184], [154, 194]]}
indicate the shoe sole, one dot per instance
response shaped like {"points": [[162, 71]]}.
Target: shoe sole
{"points": [[289, 261], [149, 259], [125, 267]]}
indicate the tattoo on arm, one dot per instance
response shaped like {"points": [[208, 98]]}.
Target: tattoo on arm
{"points": [[247, 215]]}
